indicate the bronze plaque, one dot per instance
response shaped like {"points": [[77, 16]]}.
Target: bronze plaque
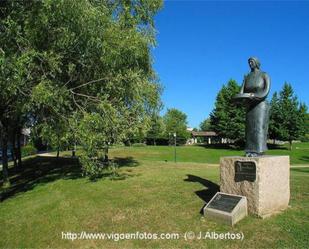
{"points": [[245, 171], [224, 202]]}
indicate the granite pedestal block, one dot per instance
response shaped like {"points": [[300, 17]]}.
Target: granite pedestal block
{"points": [[264, 180]]}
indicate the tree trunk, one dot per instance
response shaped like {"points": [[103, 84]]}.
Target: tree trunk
{"points": [[74, 148], [14, 149], [106, 157], [19, 162], [290, 142], [58, 146], [106, 153], [5, 172]]}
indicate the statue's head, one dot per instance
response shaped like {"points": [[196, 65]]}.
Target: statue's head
{"points": [[254, 63]]}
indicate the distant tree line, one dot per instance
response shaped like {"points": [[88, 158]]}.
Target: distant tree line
{"points": [[289, 120], [288, 117], [163, 130]]}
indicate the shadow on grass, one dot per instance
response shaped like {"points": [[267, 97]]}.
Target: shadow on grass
{"points": [[221, 146], [205, 194], [125, 161], [276, 147], [41, 170], [305, 159], [240, 146], [300, 170], [111, 171]]}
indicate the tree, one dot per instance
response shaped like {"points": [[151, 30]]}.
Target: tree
{"points": [[157, 128], [275, 116], [15, 64], [228, 119], [176, 122], [205, 125], [75, 60], [288, 122], [303, 121], [306, 137]]}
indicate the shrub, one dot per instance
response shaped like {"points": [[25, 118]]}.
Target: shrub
{"points": [[28, 150], [92, 166], [95, 168]]}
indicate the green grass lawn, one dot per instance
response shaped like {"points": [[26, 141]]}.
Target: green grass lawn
{"points": [[50, 197], [200, 154]]}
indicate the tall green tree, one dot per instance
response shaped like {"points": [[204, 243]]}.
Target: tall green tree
{"points": [[228, 119], [16, 61], [306, 137], [205, 125], [275, 118], [156, 129], [79, 59], [176, 123], [288, 120], [303, 121]]}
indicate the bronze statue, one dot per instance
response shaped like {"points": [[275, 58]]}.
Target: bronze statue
{"points": [[253, 94]]}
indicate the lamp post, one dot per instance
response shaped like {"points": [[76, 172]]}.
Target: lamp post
{"points": [[175, 135], [169, 139]]}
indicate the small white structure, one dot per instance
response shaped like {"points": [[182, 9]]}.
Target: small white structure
{"points": [[207, 137], [25, 136]]}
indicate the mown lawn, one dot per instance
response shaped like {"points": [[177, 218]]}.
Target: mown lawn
{"points": [[200, 154], [51, 197]]}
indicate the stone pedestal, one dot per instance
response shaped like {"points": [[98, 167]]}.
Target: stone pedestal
{"points": [[268, 191]]}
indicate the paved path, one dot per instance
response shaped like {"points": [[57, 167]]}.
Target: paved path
{"points": [[46, 154]]}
